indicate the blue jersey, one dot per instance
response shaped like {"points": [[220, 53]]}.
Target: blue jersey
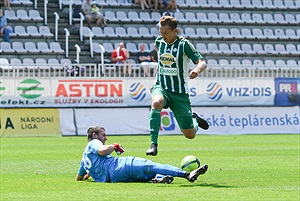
{"points": [[94, 164]]}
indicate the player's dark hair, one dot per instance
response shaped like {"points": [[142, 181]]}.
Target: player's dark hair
{"points": [[93, 129], [168, 21]]}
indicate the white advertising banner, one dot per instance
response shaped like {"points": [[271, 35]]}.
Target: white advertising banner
{"points": [[133, 92], [222, 120]]}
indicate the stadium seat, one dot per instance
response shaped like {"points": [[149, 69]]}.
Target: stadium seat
{"points": [[16, 63], [247, 4], [235, 33], [122, 16], [225, 4], [224, 48], [246, 63], [289, 4], [280, 34], [154, 31], [133, 32], [291, 34], [29, 63], [96, 47], [291, 48], [269, 63], [109, 32], [155, 16], [224, 18], [236, 4], [290, 18], [43, 47], [10, 14], [33, 31], [18, 47], [56, 47], [257, 18], [6, 47], [86, 31], [144, 32], [246, 18], [31, 47], [4, 64], [246, 33], [224, 63], [213, 48], [110, 16], [121, 32], [268, 18], [201, 32], [35, 15], [224, 33], [213, 33], [280, 63], [269, 34], [132, 47], [236, 49], [133, 16], [235, 62], [202, 17], [202, 48], [247, 49], [235, 18], [181, 3], [212, 63], [45, 31], [190, 33], [278, 4], [291, 63], [191, 17], [180, 17], [213, 17], [108, 47], [258, 49], [257, 4], [54, 63], [280, 49], [213, 4], [279, 18], [145, 17], [97, 31], [22, 15], [41, 63], [258, 33], [258, 63], [268, 4], [65, 62], [20, 31], [269, 49], [193, 3]]}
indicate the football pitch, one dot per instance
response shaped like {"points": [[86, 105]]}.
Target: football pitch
{"points": [[241, 167]]}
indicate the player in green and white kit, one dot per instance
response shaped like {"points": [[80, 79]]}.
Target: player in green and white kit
{"points": [[170, 88]]}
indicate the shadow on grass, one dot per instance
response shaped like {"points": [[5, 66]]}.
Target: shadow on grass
{"points": [[207, 185]]}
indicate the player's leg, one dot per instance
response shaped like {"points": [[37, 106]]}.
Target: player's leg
{"points": [[181, 107], [158, 102]]}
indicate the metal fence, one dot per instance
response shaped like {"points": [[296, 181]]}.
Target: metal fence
{"points": [[116, 71]]}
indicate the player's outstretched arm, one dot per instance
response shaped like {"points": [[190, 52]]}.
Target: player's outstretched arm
{"points": [[201, 66]]}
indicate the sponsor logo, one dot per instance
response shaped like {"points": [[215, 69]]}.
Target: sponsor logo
{"points": [[214, 91], [30, 89], [167, 59], [168, 71], [2, 89], [167, 121], [137, 91]]}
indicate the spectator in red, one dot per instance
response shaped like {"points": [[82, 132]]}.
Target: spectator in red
{"points": [[120, 56]]}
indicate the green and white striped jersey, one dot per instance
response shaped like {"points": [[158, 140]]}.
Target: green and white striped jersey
{"points": [[173, 63]]}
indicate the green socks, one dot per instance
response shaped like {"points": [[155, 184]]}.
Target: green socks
{"points": [[155, 121]]}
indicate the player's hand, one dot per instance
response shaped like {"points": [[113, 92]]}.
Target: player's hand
{"points": [[193, 74], [119, 149]]}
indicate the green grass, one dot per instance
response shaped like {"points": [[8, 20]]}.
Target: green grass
{"points": [[243, 167]]}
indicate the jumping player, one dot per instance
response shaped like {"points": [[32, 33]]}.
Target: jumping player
{"points": [[170, 88]]}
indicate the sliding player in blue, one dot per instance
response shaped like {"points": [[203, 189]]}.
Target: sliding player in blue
{"points": [[102, 167]]}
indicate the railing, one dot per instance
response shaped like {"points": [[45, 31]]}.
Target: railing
{"points": [[116, 70]]}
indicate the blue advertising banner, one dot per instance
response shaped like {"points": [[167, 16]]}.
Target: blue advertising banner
{"points": [[287, 91]]}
